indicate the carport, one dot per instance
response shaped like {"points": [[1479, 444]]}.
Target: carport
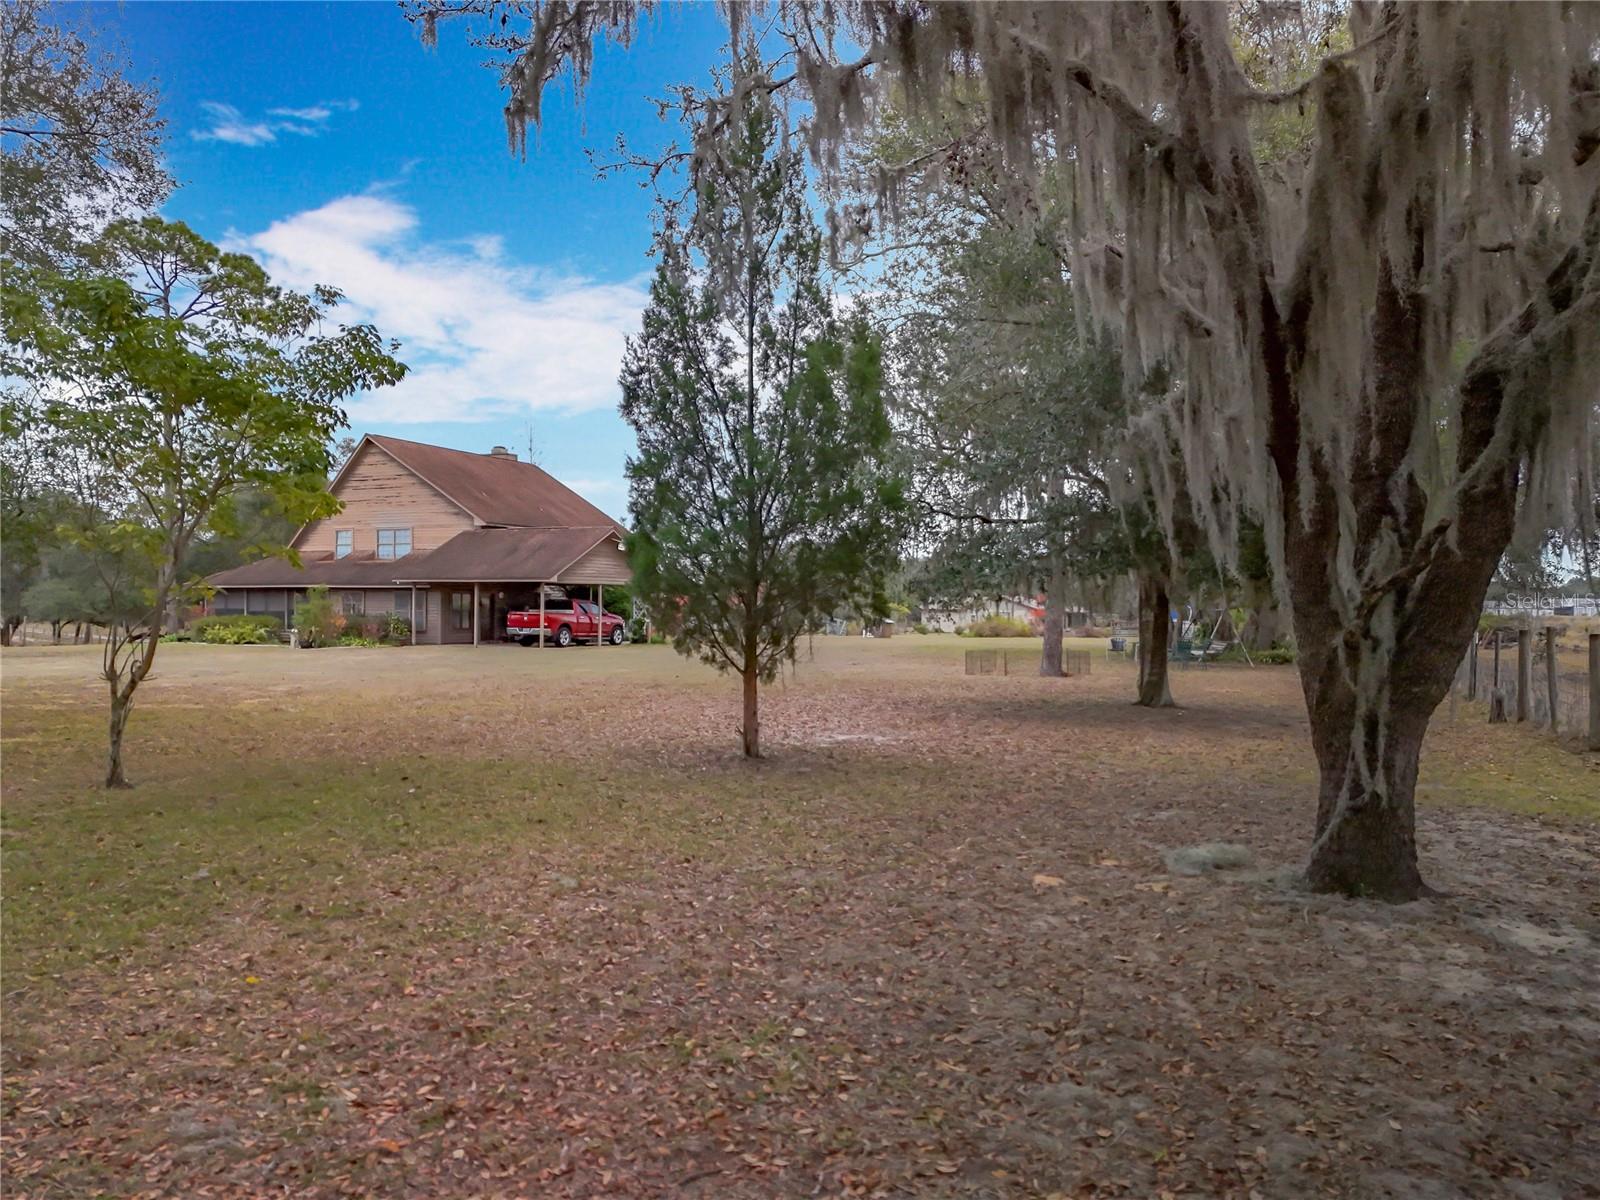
{"points": [[478, 576]]}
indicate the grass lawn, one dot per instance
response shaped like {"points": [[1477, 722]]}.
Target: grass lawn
{"points": [[507, 922]]}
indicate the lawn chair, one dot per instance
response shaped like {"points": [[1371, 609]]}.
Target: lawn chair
{"points": [[1205, 654], [1182, 652]]}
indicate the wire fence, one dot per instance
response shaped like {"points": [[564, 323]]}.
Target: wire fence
{"points": [[1540, 676], [1023, 662]]}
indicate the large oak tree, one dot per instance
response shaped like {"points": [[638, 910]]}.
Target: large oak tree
{"points": [[1374, 310]]}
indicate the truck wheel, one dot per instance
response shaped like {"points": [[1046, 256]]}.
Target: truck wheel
{"points": [[526, 641], [564, 636], [616, 636]]}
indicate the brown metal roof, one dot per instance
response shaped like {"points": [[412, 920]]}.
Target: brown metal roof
{"points": [[353, 570], [505, 554], [497, 491], [475, 555]]}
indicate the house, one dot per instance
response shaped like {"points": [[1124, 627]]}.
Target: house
{"points": [[948, 620], [1028, 609], [449, 539]]}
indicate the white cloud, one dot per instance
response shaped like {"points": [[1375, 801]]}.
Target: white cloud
{"points": [[225, 123], [485, 337]]}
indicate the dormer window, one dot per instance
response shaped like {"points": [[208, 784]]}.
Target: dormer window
{"points": [[343, 542], [394, 543]]}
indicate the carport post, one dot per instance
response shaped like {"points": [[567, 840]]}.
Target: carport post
{"points": [[600, 616], [413, 614], [477, 618], [541, 617]]}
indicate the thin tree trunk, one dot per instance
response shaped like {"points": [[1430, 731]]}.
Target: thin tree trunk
{"points": [[1055, 613], [121, 706], [1155, 628], [752, 715], [124, 672]]}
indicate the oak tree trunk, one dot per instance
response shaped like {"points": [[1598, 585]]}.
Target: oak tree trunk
{"points": [[1154, 642], [1055, 614], [1379, 639]]}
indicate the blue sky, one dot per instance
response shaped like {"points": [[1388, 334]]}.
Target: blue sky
{"points": [[328, 142]]}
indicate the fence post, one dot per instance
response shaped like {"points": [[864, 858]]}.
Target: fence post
{"points": [[1594, 691], [1550, 671], [1524, 671], [1497, 698], [1472, 668]]}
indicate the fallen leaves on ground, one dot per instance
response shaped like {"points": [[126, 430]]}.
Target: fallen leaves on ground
{"points": [[836, 983]]}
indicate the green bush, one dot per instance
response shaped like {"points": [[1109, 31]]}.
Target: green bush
{"points": [[999, 627], [355, 639], [235, 629], [396, 629], [1275, 655], [318, 623], [919, 627], [236, 635], [252, 621]]}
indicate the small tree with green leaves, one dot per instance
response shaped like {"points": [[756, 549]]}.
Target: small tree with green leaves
{"points": [[176, 378], [762, 496]]}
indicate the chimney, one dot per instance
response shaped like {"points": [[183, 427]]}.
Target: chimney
{"points": [[502, 452]]}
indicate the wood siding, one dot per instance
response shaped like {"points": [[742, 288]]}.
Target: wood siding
{"points": [[606, 563], [378, 493]]}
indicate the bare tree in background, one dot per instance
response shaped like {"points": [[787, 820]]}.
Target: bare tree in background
{"points": [[80, 145]]}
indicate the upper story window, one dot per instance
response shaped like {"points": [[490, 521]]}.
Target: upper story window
{"points": [[394, 543], [343, 542]]}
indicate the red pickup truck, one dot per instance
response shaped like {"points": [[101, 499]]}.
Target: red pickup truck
{"points": [[566, 621]]}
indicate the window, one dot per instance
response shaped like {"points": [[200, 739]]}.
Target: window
{"points": [[394, 543], [460, 610], [343, 542], [352, 603], [402, 607]]}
